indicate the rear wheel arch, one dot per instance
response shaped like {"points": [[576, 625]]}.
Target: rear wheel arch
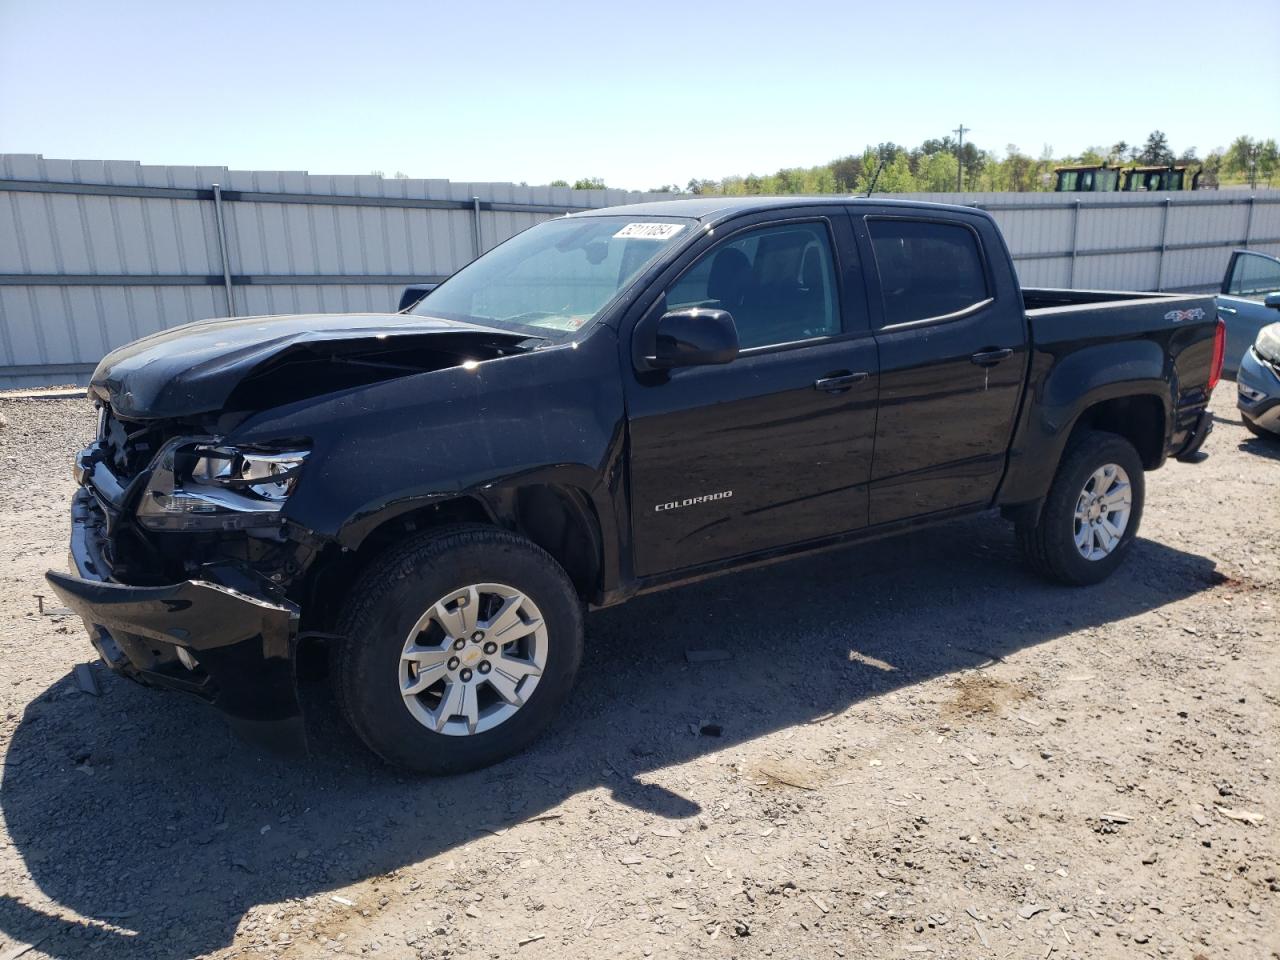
{"points": [[1141, 418]]}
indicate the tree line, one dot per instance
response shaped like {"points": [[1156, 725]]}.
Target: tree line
{"points": [[934, 167]]}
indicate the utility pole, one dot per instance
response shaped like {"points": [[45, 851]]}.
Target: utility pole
{"points": [[960, 131]]}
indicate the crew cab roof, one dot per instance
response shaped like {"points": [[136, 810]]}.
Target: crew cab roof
{"points": [[710, 209]]}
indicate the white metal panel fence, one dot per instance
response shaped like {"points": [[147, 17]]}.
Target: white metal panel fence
{"points": [[94, 254], [1122, 241]]}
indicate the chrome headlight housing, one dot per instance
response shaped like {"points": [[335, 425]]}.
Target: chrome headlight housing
{"points": [[208, 485]]}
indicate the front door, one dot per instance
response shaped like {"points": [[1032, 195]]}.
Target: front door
{"points": [[952, 340], [1250, 277], [774, 448]]}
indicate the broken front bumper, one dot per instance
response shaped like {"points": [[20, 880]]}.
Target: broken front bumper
{"points": [[225, 644]]}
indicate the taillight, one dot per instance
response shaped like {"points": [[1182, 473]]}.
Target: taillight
{"points": [[1219, 353]]}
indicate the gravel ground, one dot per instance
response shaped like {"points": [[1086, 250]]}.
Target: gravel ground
{"points": [[916, 749]]}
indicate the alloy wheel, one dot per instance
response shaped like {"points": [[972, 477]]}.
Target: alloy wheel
{"points": [[1102, 511], [473, 659]]}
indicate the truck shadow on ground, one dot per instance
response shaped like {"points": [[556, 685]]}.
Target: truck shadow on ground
{"points": [[140, 815], [1262, 447], [1268, 447]]}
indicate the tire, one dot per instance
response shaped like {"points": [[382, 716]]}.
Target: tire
{"points": [[1259, 432], [401, 590], [1050, 544]]}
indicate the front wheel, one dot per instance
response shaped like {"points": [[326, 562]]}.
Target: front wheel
{"points": [[1091, 514], [459, 647], [1260, 432]]}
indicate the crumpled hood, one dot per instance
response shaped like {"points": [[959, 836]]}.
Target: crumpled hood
{"points": [[193, 368]]}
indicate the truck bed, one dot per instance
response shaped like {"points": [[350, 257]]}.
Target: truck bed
{"points": [[1077, 316], [1045, 298]]}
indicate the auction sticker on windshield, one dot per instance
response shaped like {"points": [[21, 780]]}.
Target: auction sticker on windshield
{"points": [[649, 231]]}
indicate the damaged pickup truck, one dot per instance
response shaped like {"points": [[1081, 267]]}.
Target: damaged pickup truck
{"points": [[607, 404]]}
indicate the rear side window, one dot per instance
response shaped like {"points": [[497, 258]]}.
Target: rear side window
{"points": [[927, 269], [1254, 277]]}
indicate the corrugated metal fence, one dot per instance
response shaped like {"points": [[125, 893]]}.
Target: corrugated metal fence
{"points": [[94, 254], [1135, 241]]}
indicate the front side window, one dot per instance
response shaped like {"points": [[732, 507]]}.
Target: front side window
{"points": [[779, 284], [556, 277], [1253, 277], [926, 269]]}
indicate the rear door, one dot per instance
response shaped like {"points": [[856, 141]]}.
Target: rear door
{"points": [[1250, 277], [951, 333], [774, 448]]}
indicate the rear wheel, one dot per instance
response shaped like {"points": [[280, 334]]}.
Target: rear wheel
{"points": [[460, 646], [1091, 514]]}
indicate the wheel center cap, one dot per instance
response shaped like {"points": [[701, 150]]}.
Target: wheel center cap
{"points": [[471, 656]]}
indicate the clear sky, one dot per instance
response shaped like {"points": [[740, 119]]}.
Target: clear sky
{"points": [[639, 93]]}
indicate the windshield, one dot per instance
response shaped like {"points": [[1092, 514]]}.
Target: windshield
{"points": [[554, 278]]}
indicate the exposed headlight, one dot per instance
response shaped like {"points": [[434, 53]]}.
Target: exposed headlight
{"points": [[208, 486], [1267, 345]]}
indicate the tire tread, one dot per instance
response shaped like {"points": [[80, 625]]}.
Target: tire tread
{"points": [[1035, 540]]}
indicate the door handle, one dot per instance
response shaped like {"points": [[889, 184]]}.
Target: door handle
{"points": [[1230, 310], [989, 358], [839, 382]]}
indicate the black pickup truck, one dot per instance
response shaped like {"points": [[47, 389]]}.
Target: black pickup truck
{"points": [[607, 404]]}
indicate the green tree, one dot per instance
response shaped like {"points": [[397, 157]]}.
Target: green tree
{"points": [[897, 177], [1017, 170], [559, 183], [936, 172], [1240, 156], [870, 164], [1269, 159], [1156, 152], [1252, 159], [1211, 169], [846, 172], [589, 183]]}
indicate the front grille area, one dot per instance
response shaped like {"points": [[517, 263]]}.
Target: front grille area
{"points": [[130, 446]]}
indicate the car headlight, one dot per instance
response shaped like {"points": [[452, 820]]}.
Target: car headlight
{"points": [[210, 486], [1267, 345]]}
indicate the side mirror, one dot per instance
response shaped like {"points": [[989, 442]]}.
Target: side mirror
{"points": [[694, 336], [1272, 300], [413, 293]]}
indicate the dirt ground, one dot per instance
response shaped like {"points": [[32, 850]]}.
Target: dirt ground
{"points": [[916, 749]]}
